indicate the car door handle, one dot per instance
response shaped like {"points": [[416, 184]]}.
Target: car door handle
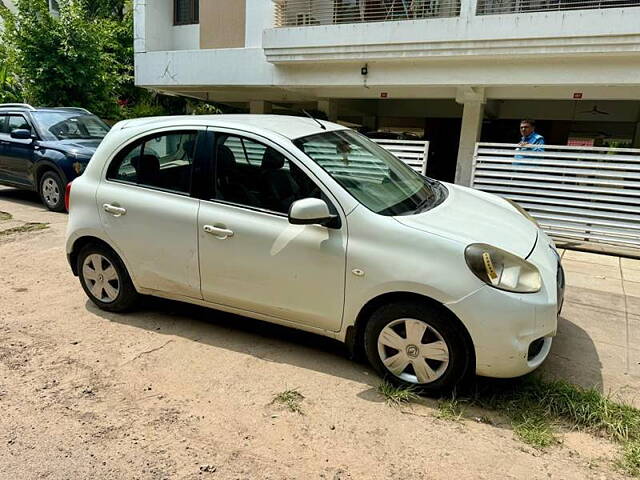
{"points": [[114, 210], [218, 232]]}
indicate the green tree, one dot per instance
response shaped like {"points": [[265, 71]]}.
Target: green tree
{"points": [[63, 60], [82, 57], [10, 90], [107, 9]]}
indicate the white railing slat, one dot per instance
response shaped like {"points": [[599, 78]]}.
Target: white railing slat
{"points": [[589, 194]]}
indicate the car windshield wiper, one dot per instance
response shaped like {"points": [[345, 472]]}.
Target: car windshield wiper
{"points": [[424, 204]]}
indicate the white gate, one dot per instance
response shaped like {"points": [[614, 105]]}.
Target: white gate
{"points": [[581, 194], [412, 152]]}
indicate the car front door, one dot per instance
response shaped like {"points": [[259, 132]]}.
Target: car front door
{"points": [[251, 257], [18, 154], [148, 212], [4, 139]]}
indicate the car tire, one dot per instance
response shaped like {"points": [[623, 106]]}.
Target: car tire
{"points": [[105, 279], [52, 190], [418, 345]]}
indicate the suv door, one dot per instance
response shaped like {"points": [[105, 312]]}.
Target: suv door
{"points": [[4, 139], [18, 155], [147, 210], [251, 257]]}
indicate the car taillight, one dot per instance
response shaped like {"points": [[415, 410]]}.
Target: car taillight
{"points": [[67, 196]]}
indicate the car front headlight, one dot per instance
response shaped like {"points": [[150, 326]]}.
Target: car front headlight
{"points": [[524, 213], [501, 269]]}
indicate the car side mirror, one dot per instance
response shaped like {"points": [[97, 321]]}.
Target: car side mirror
{"points": [[21, 134], [310, 211]]}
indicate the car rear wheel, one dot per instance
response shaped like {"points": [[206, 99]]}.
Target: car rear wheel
{"points": [[105, 279], [418, 345], [51, 191]]}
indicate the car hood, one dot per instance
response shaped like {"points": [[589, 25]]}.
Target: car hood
{"points": [[78, 148], [471, 216]]}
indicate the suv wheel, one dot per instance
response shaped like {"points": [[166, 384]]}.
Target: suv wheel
{"points": [[415, 344], [105, 280], [52, 191]]}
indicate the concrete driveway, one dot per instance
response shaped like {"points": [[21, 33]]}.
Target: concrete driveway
{"points": [[598, 342]]}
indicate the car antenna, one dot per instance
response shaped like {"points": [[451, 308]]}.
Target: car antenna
{"points": [[313, 118]]}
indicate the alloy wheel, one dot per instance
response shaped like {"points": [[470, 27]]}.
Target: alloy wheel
{"points": [[50, 192]]}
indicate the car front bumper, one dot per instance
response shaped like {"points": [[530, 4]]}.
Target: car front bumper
{"points": [[511, 332]]}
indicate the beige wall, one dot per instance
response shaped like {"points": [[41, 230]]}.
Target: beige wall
{"points": [[222, 23]]}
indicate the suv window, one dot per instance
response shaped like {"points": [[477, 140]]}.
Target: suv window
{"points": [[17, 122], [3, 124], [70, 124], [254, 175], [162, 161]]}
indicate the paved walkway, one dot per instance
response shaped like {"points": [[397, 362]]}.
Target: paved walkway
{"points": [[598, 342]]}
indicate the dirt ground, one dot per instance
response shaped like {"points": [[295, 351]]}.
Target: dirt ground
{"points": [[179, 392]]}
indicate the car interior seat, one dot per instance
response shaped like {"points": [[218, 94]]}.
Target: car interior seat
{"points": [[280, 189], [187, 148], [229, 183], [147, 169]]}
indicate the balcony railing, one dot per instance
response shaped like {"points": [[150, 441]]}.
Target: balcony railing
{"points": [[329, 12], [496, 7]]}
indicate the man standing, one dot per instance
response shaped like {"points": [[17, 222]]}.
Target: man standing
{"points": [[530, 141]]}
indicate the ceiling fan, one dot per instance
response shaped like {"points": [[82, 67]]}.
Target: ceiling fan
{"points": [[595, 111]]}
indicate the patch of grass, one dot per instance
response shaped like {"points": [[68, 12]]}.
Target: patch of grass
{"points": [[533, 405], [631, 458], [535, 430], [27, 227], [396, 396], [450, 409], [5, 216], [558, 399], [290, 399]]}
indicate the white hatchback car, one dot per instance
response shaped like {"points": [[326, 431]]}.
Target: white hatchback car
{"points": [[311, 225]]}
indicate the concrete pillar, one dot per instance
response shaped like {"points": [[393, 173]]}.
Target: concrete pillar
{"points": [[330, 109], [468, 9], [259, 107], [636, 137], [369, 122], [472, 115]]}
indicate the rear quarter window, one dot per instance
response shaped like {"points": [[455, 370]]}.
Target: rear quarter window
{"points": [[163, 162]]}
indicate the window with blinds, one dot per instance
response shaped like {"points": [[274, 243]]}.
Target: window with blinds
{"points": [[186, 12]]}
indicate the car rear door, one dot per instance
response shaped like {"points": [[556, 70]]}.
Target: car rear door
{"points": [[147, 209], [251, 257]]}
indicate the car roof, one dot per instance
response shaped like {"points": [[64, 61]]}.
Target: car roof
{"points": [[288, 126], [23, 107]]}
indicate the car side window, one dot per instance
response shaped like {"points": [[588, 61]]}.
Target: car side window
{"points": [[17, 122], [163, 161], [254, 175], [3, 124]]}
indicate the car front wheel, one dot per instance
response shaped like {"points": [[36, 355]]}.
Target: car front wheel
{"points": [[105, 279], [51, 191], [418, 345]]}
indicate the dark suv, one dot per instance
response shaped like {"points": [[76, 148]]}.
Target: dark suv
{"points": [[42, 149]]}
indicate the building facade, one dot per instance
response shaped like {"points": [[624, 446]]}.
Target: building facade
{"points": [[451, 71]]}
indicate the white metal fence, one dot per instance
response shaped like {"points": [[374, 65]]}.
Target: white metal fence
{"points": [[412, 152], [327, 12], [496, 7], [581, 194]]}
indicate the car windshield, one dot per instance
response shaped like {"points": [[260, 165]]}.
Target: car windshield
{"points": [[65, 125], [371, 174]]}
